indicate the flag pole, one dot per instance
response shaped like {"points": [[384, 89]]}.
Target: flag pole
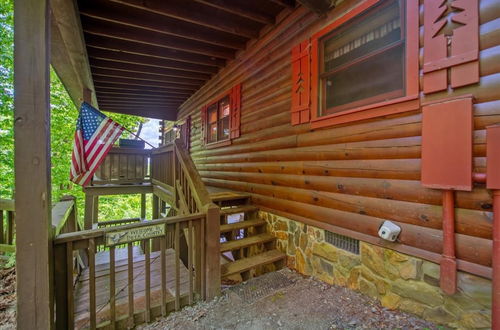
{"points": [[126, 129]]}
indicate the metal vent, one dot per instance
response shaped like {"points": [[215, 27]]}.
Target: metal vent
{"points": [[342, 242]]}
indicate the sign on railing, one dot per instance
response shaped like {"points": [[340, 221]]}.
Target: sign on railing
{"points": [[134, 234]]}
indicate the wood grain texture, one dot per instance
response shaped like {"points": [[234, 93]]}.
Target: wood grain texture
{"points": [[367, 169]]}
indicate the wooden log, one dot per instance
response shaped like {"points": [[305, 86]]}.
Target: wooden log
{"points": [[34, 261], [474, 223]]}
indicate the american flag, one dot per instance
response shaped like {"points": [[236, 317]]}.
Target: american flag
{"points": [[94, 136]]}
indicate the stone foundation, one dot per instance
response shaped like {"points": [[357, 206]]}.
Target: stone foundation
{"points": [[397, 280]]}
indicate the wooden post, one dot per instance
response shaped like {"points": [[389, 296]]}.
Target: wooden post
{"points": [[143, 206], [156, 205], [95, 209], [89, 211], [212, 252], [32, 164]]}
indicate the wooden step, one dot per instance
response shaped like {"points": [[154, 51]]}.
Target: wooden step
{"points": [[239, 209], [242, 225], [245, 242], [245, 264]]}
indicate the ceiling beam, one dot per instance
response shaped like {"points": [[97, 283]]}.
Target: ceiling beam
{"points": [[145, 76], [284, 3], [149, 112], [140, 95], [119, 56], [153, 93], [320, 7], [149, 50], [235, 8], [140, 88], [124, 14], [139, 68], [145, 83], [198, 14], [104, 102], [118, 31]]}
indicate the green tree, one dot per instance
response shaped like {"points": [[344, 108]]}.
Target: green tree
{"points": [[63, 119]]}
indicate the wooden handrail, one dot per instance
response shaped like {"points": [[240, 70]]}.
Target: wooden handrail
{"points": [[7, 204], [99, 232]]}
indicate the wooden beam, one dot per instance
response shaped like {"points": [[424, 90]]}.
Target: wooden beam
{"points": [[145, 93], [106, 102], [320, 7], [145, 76], [149, 50], [123, 14], [34, 257], [104, 64], [148, 112], [68, 52], [284, 3], [236, 8], [125, 32], [144, 83], [198, 14], [138, 87], [139, 96], [123, 57]]}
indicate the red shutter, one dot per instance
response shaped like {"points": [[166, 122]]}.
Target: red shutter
{"points": [[301, 83], [204, 125], [186, 132], [463, 42], [235, 111]]}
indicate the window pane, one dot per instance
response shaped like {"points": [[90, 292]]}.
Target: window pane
{"points": [[212, 133], [367, 34], [224, 107], [224, 128], [212, 113], [380, 75]]}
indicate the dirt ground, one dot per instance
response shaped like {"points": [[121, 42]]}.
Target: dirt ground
{"points": [[7, 298], [287, 300]]}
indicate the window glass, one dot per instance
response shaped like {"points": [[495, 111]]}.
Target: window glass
{"points": [[218, 117], [363, 62], [212, 123]]}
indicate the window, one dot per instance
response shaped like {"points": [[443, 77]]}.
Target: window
{"points": [[218, 120], [365, 64], [221, 119]]}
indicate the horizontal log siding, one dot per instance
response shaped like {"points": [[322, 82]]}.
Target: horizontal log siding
{"points": [[353, 175]]}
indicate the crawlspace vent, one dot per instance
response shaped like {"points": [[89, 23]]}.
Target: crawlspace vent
{"points": [[342, 242]]}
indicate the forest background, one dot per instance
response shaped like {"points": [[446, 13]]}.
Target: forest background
{"points": [[63, 120]]}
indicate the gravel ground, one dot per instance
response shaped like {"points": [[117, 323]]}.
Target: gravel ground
{"points": [[287, 300]]}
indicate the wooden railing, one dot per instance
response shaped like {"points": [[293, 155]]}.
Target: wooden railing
{"points": [[7, 224], [177, 182], [122, 279], [123, 165]]}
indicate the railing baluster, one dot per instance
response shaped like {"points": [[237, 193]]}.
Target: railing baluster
{"points": [[130, 262], [177, 267], [190, 260], [197, 266], [92, 290], [147, 265], [69, 285], [163, 273], [112, 284], [202, 256]]}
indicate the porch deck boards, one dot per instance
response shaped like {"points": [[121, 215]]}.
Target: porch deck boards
{"points": [[82, 300]]}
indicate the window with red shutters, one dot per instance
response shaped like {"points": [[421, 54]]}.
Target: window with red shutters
{"points": [[221, 118], [362, 65]]}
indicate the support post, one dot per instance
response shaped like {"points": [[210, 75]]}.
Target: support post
{"points": [[143, 206], [212, 252], [156, 206], [448, 277], [95, 209], [34, 255], [89, 211]]}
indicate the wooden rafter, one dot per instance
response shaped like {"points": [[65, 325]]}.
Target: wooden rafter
{"points": [[140, 88], [199, 14], [234, 7], [145, 76], [320, 7], [124, 32], [129, 82], [123, 57]]}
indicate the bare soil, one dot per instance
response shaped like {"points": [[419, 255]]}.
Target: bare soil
{"points": [[287, 300], [8, 298]]}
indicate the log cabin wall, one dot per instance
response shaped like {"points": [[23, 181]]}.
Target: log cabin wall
{"points": [[350, 177]]}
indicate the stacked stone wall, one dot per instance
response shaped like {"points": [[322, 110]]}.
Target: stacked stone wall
{"points": [[397, 280]]}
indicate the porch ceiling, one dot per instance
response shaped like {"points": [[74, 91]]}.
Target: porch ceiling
{"points": [[148, 56]]}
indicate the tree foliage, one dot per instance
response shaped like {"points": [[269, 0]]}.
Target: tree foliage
{"points": [[63, 120]]}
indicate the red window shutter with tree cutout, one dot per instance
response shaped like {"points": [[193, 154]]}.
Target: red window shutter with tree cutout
{"points": [[451, 41], [301, 83], [204, 125], [235, 111]]}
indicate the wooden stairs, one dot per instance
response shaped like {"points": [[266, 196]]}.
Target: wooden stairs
{"points": [[247, 250]]}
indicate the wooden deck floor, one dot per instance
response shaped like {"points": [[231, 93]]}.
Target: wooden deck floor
{"points": [[121, 289]]}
